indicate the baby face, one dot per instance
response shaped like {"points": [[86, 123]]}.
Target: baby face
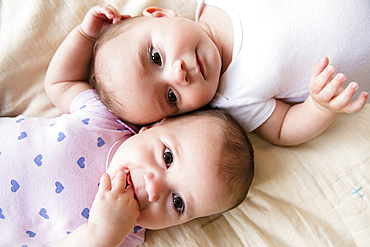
{"points": [[162, 67], [173, 169]]}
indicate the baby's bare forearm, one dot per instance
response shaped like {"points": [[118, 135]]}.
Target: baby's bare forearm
{"points": [[293, 125], [304, 122], [80, 237]]}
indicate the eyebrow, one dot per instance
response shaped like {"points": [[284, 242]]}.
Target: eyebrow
{"points": [[176, 145], [188, 213], [160, 104], [142, 57]]}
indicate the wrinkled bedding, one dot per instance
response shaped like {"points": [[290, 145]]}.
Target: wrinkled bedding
{"points": [[314, 194]]}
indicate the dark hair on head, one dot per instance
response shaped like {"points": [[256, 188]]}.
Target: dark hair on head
{"points": [[236, 164], [97, 74], [237, 160]]}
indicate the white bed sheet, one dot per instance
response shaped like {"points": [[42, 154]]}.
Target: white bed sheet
{"points": [[314, 194]]}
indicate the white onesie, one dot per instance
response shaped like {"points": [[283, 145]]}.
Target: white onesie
{"points": [[277, 43]]}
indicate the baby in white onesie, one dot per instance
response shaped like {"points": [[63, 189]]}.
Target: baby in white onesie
{"points": [[252, 58]]}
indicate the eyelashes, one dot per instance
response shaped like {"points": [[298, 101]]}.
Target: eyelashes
{"points": [[171, 97], [154, 56], [168, 157], [178, 202]]}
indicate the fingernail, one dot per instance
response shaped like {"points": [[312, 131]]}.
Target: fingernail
{"points": [[354, 85], [331, 69], [341, 77]]}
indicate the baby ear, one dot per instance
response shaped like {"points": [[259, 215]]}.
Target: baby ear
{"points": [[159, 12], [152, 125]]}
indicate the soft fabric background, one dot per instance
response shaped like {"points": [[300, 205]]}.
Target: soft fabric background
{"points": [[315, 194]]}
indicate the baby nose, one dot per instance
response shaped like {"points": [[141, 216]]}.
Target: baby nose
{"points": [[179, 74], [154, 186]]}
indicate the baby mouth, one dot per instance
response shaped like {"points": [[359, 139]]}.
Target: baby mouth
{"points": [[129, 180], [128, 183]]}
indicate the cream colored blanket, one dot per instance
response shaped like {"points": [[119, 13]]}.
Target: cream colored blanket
{"points": [[315, 194]]}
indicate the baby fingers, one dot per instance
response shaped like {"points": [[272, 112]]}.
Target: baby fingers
{"points": [[343, 103], [110, 12], [320, 81], [125, 16], [332, 89], [319, 67], [105, 183], [119, 182]]}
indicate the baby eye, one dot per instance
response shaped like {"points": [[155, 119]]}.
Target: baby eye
{"points": [[171, 96], [155, 56], [167, 157], [178, 203]]}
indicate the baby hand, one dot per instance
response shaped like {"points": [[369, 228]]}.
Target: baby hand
{"points": [[100, 17], [328, 93], [114, 211]]}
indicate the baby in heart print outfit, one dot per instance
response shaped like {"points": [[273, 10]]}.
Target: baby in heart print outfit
{"points": [[51, 168], [43, 162]]}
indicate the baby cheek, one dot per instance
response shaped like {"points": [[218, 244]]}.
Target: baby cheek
{"points": [[141, 219], [152, 218]]}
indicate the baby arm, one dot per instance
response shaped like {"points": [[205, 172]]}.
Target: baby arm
{"points": [[292, 125], [112, 217], [68, 72]]}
